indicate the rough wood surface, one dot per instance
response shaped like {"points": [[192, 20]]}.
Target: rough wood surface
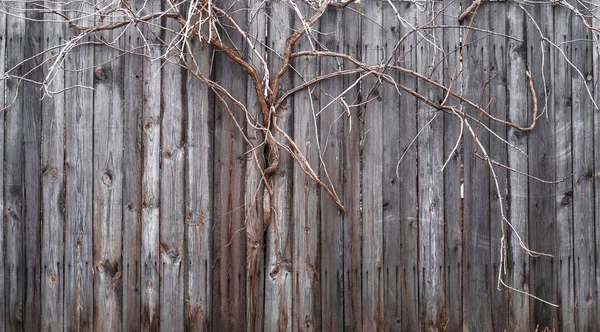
{"points": [[477, 281], [372, 177], [453, 179], [279, 232], [430, 158], [306, 259], [199, 196], [330, 139], [3, 302], [353, 320], [498, 151], [79, 115], [131, 204], [563, 201], [13, 188], [583, 178], [229, 232]]}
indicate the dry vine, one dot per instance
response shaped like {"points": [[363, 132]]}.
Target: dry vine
{"points": [[206, 21]]}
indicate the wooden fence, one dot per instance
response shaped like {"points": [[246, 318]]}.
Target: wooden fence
{"points": [[135, 205]]}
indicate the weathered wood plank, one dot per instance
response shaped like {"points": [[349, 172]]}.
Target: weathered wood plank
{"points": [[564, 167], [229, 241], [32, 168], [393, 192], [172, 200], [132, 180], [583, 176], [199, 194], [477, 281], [151, 119], [278, 261], [353, 320], [517, 260], [306, 313], [14, 268], [3, 86], [255, 296], [498, 152], [79, 183], [372, 175], [453, 175], [596, 77], [407, 273], [53, 192], [331, 149], [108, 186], [542, 222], [430, 149]]}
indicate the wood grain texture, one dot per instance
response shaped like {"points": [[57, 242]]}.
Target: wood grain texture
{"points": [[353, 319], [564, 168], [131, 204], [229, 232], [331, 142], [253, 200], [453, 177], [172, 199], [151, 156], [53, 195], [372, 177], [306, 259], [407, 273], [498, 152], [583, 176], [14, 163], [31, 235], [199, 195], [542, 223], [430, 150], [519, 318], [477, 281], [3, 86], [79, 115], [108, 187], [397, 118], [279, 233]]}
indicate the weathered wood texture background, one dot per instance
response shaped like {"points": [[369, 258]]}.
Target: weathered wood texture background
{"points": [[135, 205]]}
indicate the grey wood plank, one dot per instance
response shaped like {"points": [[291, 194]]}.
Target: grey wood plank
{"points": [[542, 223], [595, 76], [393, 210], [498, 152], [255, 161], [353, 319], [14, 268], [78, 309], [477, 281], [518, 262], [453, 176], [407, 272], [132, 179], [583, 176], [563, 168], [331, 141], [151, 191], [229, 234], [172, 201], [31, 172], [53, 193], [108, 185], [306, 264], [430, 149], [372, 176], [199, 194], [3, 86], [279, 233]]}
